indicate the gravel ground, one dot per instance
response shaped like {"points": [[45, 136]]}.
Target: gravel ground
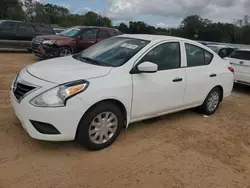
{"points": [[179, 150]]}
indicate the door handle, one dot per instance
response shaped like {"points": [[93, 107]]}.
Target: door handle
{"points": [[177, 80], [91, 41], [213, 75]]}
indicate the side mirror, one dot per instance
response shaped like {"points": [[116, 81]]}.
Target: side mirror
{"points": [[147, 67]]}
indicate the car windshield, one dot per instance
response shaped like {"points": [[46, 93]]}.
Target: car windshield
{"points": [[240, 54], [114, 51], [214, 48], [71, 32]]}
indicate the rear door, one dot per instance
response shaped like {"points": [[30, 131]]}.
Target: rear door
{"points": [[201, 74], [87, 38], [240, 60]]}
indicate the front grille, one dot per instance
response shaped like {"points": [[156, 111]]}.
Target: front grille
{"points": [[21, 89], [36, 43]]}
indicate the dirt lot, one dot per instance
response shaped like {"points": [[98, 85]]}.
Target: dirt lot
{"points": [[179, 150]]}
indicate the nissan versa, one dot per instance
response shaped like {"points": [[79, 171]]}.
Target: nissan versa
{"points": [[90, 96]]}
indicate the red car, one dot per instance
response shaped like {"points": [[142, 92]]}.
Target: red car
{"points": [[70, 41]]}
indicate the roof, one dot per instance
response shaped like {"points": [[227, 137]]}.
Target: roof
{"points": [[154, 37], [107, 28], [244, 49], [219, 46], [10, 21]]}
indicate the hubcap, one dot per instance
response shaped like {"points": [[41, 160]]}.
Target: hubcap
{"points": [[65, 52], [213, 101], [103, 127]]}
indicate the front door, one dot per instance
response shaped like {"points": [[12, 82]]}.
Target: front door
{"points": [[160, 92], [87, 38], [25, 32]]}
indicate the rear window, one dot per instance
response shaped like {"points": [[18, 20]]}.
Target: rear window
{"points": [[240, 54]]}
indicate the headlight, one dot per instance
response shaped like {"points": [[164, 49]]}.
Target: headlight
{"points": [[58, 96], [50, 42], [13, 85]]}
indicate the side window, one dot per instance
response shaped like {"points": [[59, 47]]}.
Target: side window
{"points": [[166, 56], [197, 56], [89, 34], [229, 51], [223, 52], [26, 28], [103, 34], [240, 54], [9, 27]]}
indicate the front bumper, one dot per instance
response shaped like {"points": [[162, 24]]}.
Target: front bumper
{"points": [[44, 51], [64, 119]]}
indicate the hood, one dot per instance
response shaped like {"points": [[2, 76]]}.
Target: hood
{"points": [[53, 37], [66, 69]]}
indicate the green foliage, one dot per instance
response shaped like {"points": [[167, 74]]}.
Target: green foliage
{"points": [[192, 27]]}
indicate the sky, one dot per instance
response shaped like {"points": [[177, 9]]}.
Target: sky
{"points": [[163, 13]]}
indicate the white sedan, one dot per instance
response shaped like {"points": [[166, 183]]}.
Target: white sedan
{"points": [[90, 96], [240, 61]]}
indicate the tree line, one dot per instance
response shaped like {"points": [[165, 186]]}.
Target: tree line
{"points": [[192, 27]]}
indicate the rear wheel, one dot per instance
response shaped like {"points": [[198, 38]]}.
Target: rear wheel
{"points": [[212, 102], [100, 126]]}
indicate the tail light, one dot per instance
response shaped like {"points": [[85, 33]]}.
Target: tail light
{"points": [[231, 69]]}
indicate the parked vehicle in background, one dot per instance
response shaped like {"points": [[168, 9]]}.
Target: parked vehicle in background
{"points": [[70, 41], [17, 34], [221, 50], [207, 43], [240, 61], [91, 95], [58, 30]]}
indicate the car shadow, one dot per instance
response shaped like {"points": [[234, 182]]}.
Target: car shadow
{"points": [[242, 88]]}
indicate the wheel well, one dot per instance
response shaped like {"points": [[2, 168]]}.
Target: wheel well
{"points": [[113, 101], [72, 50], [221, 89]]}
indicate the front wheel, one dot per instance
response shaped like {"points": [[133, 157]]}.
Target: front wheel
{"points": [[64, 51], [212, 102], [100, 126]]}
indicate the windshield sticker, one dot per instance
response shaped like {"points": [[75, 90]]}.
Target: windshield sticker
{"points": [[130, 46]]}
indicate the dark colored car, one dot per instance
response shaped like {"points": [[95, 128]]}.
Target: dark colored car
{"points": [[17, 34], [58, 30], [70, 41], [221, 50]]}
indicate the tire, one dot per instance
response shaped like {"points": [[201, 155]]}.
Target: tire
{"points": [[64, 51], [83, 135], [205, 109]]}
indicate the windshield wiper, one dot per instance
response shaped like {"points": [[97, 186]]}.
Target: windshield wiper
{"points": [[91, 60], [95, 62]]}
